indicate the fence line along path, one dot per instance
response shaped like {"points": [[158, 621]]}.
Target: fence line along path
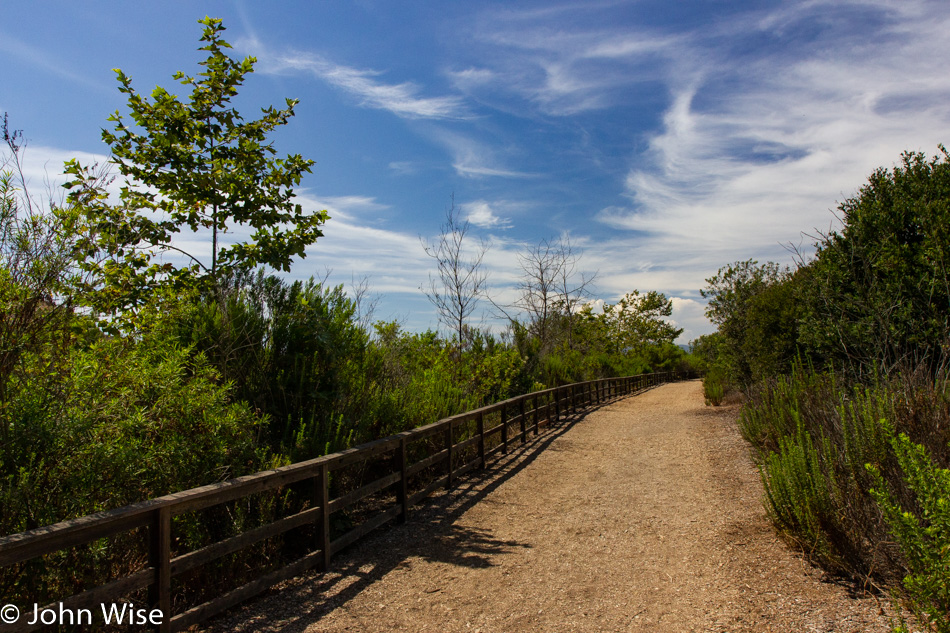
{"points": [[643, 515], [168, 560]]}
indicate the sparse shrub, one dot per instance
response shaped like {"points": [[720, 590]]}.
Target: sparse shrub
{"points": [[799, 499]]}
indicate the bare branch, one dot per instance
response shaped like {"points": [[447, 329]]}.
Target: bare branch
{"points": [[460, 280]]}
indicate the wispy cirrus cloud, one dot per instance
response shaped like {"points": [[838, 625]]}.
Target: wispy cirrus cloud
{"points": [[561, 69], [472, 158], [44, 60], [767, 118], [772, 117], [751, 154], [404, 99]]}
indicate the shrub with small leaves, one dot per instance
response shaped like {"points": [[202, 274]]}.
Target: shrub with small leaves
{"points": [[923, 532]]}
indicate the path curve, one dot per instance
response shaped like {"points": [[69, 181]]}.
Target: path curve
{"points": [[644, 515]]}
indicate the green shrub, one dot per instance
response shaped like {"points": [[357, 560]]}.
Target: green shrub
{"points": [[714, 387], [131, 420], [812, 438], [799, 501], [923, 531]]}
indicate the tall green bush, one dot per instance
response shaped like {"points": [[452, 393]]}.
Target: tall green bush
{"points": [[130, 420], [879, 288]]}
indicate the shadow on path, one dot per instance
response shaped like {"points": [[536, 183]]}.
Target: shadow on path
{"points": [[430, 534]]}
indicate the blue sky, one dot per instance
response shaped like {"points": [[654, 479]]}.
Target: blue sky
{"points": [[666, 139]]}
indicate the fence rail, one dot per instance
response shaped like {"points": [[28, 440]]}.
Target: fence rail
{"points": [[448, 442]]}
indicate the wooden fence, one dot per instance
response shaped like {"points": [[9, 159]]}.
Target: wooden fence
{"points": [[440, 453]]}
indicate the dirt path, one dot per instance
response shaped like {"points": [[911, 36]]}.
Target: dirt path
{"points": [[645, 515]]}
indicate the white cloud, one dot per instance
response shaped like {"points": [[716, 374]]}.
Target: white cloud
{"points": [[752, 154], [402, 99], [471, 158], [43, 171], [471, 77], [403, 167], [560, 69], [689, 314], [481, 214], [342, 207]]}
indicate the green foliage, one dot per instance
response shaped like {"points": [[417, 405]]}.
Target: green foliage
{"points": [[714, 386], [798, 496], [879, 289], [812, 438], [129, 420], [922, 531], [755, 309], [197, 166], [633, 324], [293, 351]]}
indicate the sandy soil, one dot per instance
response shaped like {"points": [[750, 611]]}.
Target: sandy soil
{"points": [[644, 515]]}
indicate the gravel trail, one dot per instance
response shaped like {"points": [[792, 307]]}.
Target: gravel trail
{"points": [[643, 515]]}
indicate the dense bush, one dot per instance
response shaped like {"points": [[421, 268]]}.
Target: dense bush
{"points": [[714, 386], [129, 420], [755, 308], [813, 437], [879, 288]]}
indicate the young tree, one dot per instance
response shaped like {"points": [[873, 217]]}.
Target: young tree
{"points": [[188, 166], [638, 321], [460, 279]]}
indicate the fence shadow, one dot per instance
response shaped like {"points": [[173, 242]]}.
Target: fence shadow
{"points": [[431, 534]]}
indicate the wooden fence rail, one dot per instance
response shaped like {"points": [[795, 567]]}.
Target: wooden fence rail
{"points": [[462, 447]]}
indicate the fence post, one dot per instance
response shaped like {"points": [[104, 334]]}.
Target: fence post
{"points": [[402, 492], [159, 554], [504, 428], [449, 458], [536, 414], [524, 427], [481, 440], [322, 498], [557, 404]]}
